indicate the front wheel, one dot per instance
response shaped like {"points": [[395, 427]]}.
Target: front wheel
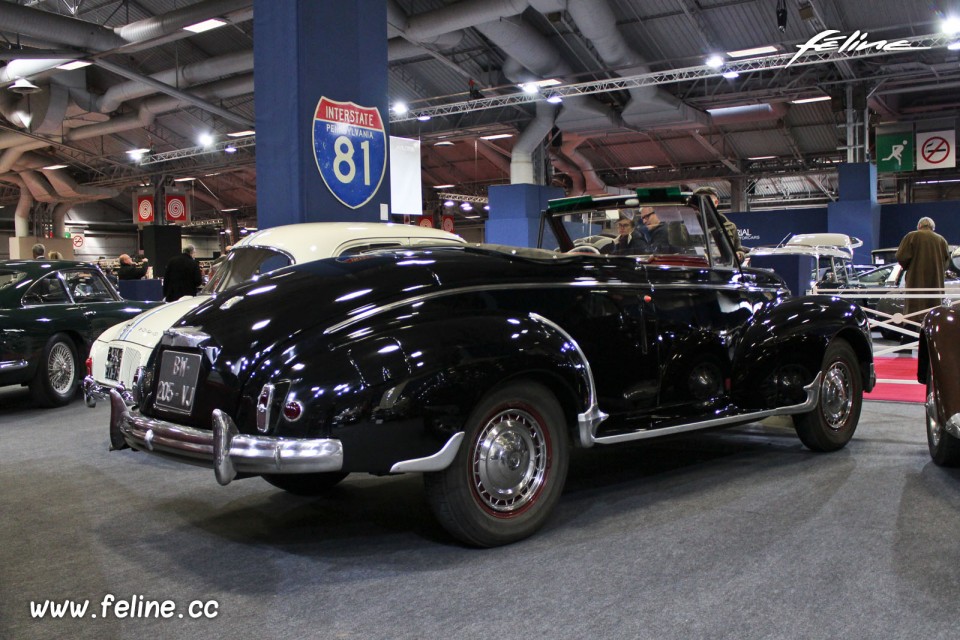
{"points": [[831, 424], [56, 380], [944, 448], [510, 471], [305, 484]]}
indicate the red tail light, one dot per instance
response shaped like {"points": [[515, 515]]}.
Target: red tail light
{"points": [[89, 366]]}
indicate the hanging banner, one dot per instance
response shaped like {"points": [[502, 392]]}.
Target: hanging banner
{"points": [[446, 223], [350, 147], [175, 206], [894, 151], [936, 150], [143, 208], [426, 221]]}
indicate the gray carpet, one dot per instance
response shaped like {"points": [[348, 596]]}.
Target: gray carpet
{"points": [[733, 534]]}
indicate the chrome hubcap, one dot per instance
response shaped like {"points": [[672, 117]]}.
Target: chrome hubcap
{"points": [[61, 368], [837, 395], [509, 461]]}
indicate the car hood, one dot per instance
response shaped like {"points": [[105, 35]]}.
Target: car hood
{"points": [[147, 328]]}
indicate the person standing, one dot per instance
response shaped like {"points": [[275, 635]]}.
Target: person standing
{"points": [[924, 256], [38, 251], [182, 276], [728, 227], [130, 271]]}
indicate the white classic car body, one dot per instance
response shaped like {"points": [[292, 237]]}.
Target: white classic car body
{"points": [[120, 350]]}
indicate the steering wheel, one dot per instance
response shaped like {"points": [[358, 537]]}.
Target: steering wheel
{"points": [[588, 249]]}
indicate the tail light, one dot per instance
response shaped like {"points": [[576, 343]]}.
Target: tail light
{"points": [[90, 366]]}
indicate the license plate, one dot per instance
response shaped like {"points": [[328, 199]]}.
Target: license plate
{"points": [[114, 358], [177, 383]]}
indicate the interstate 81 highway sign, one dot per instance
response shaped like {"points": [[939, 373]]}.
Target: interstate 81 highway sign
{"points": [[350, 147]]}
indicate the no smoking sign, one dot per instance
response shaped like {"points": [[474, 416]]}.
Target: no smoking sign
{"points": [[936, 150]]}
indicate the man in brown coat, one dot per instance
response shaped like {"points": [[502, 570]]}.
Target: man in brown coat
{"points": [[924, 256]]}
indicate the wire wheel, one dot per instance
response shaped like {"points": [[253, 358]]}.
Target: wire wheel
{"points": [[509, 462], [61, 368]]}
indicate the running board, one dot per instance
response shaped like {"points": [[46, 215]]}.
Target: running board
{"points": [[813, 397]]}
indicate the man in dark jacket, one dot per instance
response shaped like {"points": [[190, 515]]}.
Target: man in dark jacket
{"points": [[924, 255], [182, 276], [130, 271]]}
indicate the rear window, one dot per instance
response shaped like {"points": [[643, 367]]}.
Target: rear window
{"points": [[9, 278], [244, 263]]}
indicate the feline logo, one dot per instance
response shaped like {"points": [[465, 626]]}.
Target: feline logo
{"points": [[855, 42]]}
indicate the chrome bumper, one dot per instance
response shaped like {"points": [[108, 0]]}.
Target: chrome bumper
{"points": [[224, 448], [93, 391]]}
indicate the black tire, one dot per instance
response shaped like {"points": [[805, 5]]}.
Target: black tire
{"points": [[510, 470], [306, 484], [831, 425], [944, 448], [57, 378]]}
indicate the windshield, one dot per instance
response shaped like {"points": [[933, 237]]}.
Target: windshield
{"points": [[661, 233], [242, 264]]}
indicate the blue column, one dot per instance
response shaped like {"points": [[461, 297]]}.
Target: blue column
{"points": [[514, 217], [857, 213], [304, 51]]}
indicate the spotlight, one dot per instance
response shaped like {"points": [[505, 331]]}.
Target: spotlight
{"points": [[448, 203], [782, 15], [23, 86], [715, 61]]}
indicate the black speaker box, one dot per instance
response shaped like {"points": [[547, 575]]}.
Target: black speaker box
{"points": [[160, 243]]}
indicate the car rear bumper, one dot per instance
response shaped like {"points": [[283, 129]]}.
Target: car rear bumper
{"points": [[223, 448]]}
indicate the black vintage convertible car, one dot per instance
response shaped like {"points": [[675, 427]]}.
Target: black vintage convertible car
{"points": [[482, 366], [50, 313]]}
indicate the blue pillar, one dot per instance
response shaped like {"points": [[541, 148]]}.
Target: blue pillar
{"points": [[514, 217], [857, 213], [304, 51]]}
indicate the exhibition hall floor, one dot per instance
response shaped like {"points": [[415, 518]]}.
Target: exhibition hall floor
{"points": [[738, 534]]}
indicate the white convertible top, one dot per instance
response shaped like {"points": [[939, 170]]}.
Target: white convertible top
{"points": [[322, 239]]}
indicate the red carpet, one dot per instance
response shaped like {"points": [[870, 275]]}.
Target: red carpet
{"points": [[897, 381]]}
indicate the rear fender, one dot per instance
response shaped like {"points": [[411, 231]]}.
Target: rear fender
{"points": [[939, 337]]}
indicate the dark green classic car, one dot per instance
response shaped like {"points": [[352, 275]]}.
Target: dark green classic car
{"points": [[51, 311]]}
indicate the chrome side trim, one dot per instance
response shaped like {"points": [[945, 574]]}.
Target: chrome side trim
{"points": [[13, 365], [437, 462], [190, 337], [592, 416], [224, 449], [526, 285], [813, 397]]}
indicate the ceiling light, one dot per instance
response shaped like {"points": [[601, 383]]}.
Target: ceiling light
{"points": [[183, 179], [137, 154], [497, 136], [206, 25], [443, 186], [809, 100], [23, 87], [756, 51], [530, 88], [642, 167], [229, 210], [950, 25], [230, 149], [715, 61], [205, 139], [472, 217], [761, 157], [730, 74], [55, 166], [536, 84], [239, 134], [486, 207], [443, 143], [466, 206], [448, 203], [400, 108], [75, 64], [953, 46], [555, 99], [423, 118]]}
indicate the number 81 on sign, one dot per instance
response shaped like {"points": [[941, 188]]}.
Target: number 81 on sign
{"points": [[350, 147]]}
